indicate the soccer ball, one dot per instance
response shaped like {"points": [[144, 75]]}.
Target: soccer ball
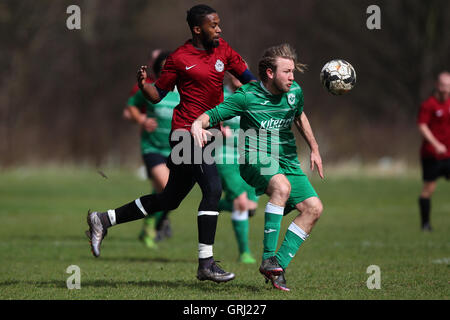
{"points": [[338, 76]]}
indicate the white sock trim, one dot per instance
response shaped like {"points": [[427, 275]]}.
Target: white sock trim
{"points": [[140, 206], [208, 213], [112, 217], [273, 208], [205, 251], [238, 215], [298, 231]]}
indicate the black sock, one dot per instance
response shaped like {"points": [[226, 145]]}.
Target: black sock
{"points": [[205, 263], [128, 212], [425, 206], [104, 218]]}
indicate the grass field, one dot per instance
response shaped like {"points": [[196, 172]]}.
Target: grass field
{"points": [[366, 221]]}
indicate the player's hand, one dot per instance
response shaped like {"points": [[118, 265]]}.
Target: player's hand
{"points": [[316, 160], [141, 76], [199, 134], [440, 148], [226, 131], [150, 124]]}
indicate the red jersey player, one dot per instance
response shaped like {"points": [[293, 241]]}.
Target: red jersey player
{"points": [[434, 125], [197, 69]]}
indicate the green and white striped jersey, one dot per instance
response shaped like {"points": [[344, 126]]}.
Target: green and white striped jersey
{"points": [[265, 121], [158, 140]]}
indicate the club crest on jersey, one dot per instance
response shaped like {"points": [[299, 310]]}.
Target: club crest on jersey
{"points": [[291, 99], [219, 66]]}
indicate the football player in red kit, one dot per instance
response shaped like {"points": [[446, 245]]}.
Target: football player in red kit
{"points": [[434, 125], [197, 69]]}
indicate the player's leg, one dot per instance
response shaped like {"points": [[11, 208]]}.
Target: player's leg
{"points": [[207, 176], [300, 228], [240, 223], [148, 232], [428, 189], [304, 198], [278, 190], [430, 173], [179, 185], [234, 188], [158, 173], [160, 176]]}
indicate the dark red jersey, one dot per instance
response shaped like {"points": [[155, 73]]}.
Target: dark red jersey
{"points": [[198, 75], [436, 115]]}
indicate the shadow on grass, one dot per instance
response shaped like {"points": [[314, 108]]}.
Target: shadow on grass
{"points": [[146, 259], [170, 284]]}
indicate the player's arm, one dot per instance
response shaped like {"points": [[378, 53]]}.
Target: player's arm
{"points": [[238, 67], [132, 113], [304, 127], [198, 131], [429, 136], [148, 124], [149, 90], [231, 107], [246, 77]]}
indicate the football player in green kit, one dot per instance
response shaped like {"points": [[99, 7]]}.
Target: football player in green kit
{"points": [[268, 109], [155, 120], [239, 198]]}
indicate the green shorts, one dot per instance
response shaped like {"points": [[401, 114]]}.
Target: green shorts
{"points": [[301, 188], [232, 183]]}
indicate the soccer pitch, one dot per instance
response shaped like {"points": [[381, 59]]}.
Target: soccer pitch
{"points": [[366, 221]]}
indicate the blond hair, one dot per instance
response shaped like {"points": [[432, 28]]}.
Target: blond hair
{"points": [[268, 60]]}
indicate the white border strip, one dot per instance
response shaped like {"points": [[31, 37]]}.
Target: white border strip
{"points": [[112, 217], [298, 231], [273, 208], [140, 206], [208, 213], [238, 215], [205, 251]]}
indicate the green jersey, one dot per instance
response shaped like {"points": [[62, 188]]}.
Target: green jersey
{"points": [[266, 121], [228, 153], [158, 140]]}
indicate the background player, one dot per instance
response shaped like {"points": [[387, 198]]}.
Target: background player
{"points": [[155, 121], [238, 197], [197, 69], [269, 108], [434, 125]]}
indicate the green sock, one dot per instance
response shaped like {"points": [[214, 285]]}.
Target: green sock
{"points": [[240, 224], [158, 215], [272, 224], [293, 239], [149, 221]]}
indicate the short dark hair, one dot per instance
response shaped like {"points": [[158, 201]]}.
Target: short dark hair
{"points": [[157, 65], [196, 14]]}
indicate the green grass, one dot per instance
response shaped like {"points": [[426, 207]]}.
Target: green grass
{"points": [[366, 221]]}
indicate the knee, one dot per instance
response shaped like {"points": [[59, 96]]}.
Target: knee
{"points": [[211, 196], [428, 190], [315, 209], [283, 190], [214, 191]]}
